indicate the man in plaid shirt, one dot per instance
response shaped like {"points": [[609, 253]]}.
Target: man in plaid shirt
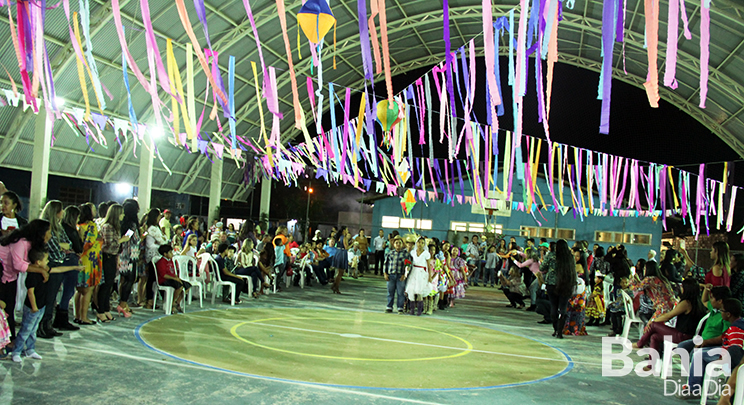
{"points": [[395, 273]]}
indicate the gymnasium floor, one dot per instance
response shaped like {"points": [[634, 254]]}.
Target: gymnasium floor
{"points": [[310, 346]]}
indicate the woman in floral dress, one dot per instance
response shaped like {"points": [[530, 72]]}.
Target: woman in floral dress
{"points": [[657, 288], [90, 276]]}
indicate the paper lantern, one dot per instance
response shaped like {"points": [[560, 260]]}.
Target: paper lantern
{"points": [[389, 114], [407, 202], [316, 19]]}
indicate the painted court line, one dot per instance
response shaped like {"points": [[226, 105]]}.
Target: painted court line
{"points": [[196, 366], [400, 341]]}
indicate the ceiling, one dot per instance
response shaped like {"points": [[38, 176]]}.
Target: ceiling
{"points": [[415, 40]]}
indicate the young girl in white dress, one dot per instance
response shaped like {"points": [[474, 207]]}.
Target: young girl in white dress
{"points": [[417, 286]]}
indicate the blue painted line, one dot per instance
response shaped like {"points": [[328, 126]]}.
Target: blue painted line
{"points": [[568, 368]]}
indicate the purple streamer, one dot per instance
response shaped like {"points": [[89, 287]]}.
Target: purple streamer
{"points": [[608, 15], [364, 39], [449, 58]]}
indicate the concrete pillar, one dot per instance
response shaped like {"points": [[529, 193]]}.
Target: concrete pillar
{"points": [[215, 191], [144, 184], [265, 199], [40, 164]]}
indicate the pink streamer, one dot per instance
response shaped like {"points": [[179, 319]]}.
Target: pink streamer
{"points": [[704, 50]]}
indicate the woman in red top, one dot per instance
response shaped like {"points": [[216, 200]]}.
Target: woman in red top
{"points": [[720, 273]]}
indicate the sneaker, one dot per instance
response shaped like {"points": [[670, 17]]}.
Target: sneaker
{"points": [[17, 358], [400, 311], [32, 355], [531, 308], [389, 310]]}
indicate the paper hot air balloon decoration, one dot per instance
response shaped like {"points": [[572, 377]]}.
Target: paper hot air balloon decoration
{"points": [[389, 114], [316, 19], [407, 202]]}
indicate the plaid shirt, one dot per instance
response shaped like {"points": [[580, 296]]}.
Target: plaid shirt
{"points": [[110, 239], [395, 261]]}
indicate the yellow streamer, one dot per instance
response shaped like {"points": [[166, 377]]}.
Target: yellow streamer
{"points": [[674, 192], [90, 74], [260, 113], [174, 75], [81, 70]]}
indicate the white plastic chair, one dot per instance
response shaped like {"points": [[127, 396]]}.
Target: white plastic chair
{"points": [[739, 394], [630, 316], [713, 370], [182, 263], [217, 281], [168, 291], [666, 359], [248, 279]]}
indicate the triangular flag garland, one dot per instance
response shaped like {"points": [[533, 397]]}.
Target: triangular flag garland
{"points": [[354, 152]]}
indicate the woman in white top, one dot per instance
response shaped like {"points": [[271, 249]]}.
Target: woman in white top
{"points": [[153, 240], [417, 285]]}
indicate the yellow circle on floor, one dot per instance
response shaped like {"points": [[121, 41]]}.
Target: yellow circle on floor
{"points": [[354, 348]]}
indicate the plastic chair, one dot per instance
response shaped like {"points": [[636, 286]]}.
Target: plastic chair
{"points": [[739, 394], [666, 359], [713, 370], [304, 263], [182, 264], [167, 291], [217, 280], [630, 316]]}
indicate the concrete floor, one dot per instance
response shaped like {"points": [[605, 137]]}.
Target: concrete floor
{"points": [[107, 364]]}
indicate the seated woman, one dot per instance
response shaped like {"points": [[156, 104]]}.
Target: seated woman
{"points": [[246, 265], [688, 311], [167, 276], [657, 288], [514, 287]]}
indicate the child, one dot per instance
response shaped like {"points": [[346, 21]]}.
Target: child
{"points": [[4, 329], [354, 256], [167, 275], [492, 262], [32, 314], [595, 305], [616, 308], [517, 290]]}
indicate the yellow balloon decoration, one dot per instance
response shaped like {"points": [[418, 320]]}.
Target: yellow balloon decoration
{"points": [[316, 19], [388, 115]]}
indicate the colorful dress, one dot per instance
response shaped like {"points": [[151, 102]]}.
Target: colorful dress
{"points": [[595, 306], [575, 316], [4, 330], [130, 254], [91, 260], [458, 267], [436, 271], [659, 292]]}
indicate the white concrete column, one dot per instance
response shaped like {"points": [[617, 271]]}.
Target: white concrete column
{"points": [[215, 191], [265, 198], [144, 184], [40, 164]]}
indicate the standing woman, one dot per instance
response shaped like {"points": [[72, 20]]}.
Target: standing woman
{"points": [[112, 240], [720, 273], [192, 227], [561, 281], [90, 276], [153, 241], [11, 206], [61, 257], [14, 249], [69, 283], [417, 286], [341, 257], [129, 258]]}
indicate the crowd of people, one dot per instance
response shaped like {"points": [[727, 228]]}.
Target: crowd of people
{"points": [[97, 254]]}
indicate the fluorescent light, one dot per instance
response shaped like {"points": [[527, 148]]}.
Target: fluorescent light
{"points": [[156, 132], [123, 189]]}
